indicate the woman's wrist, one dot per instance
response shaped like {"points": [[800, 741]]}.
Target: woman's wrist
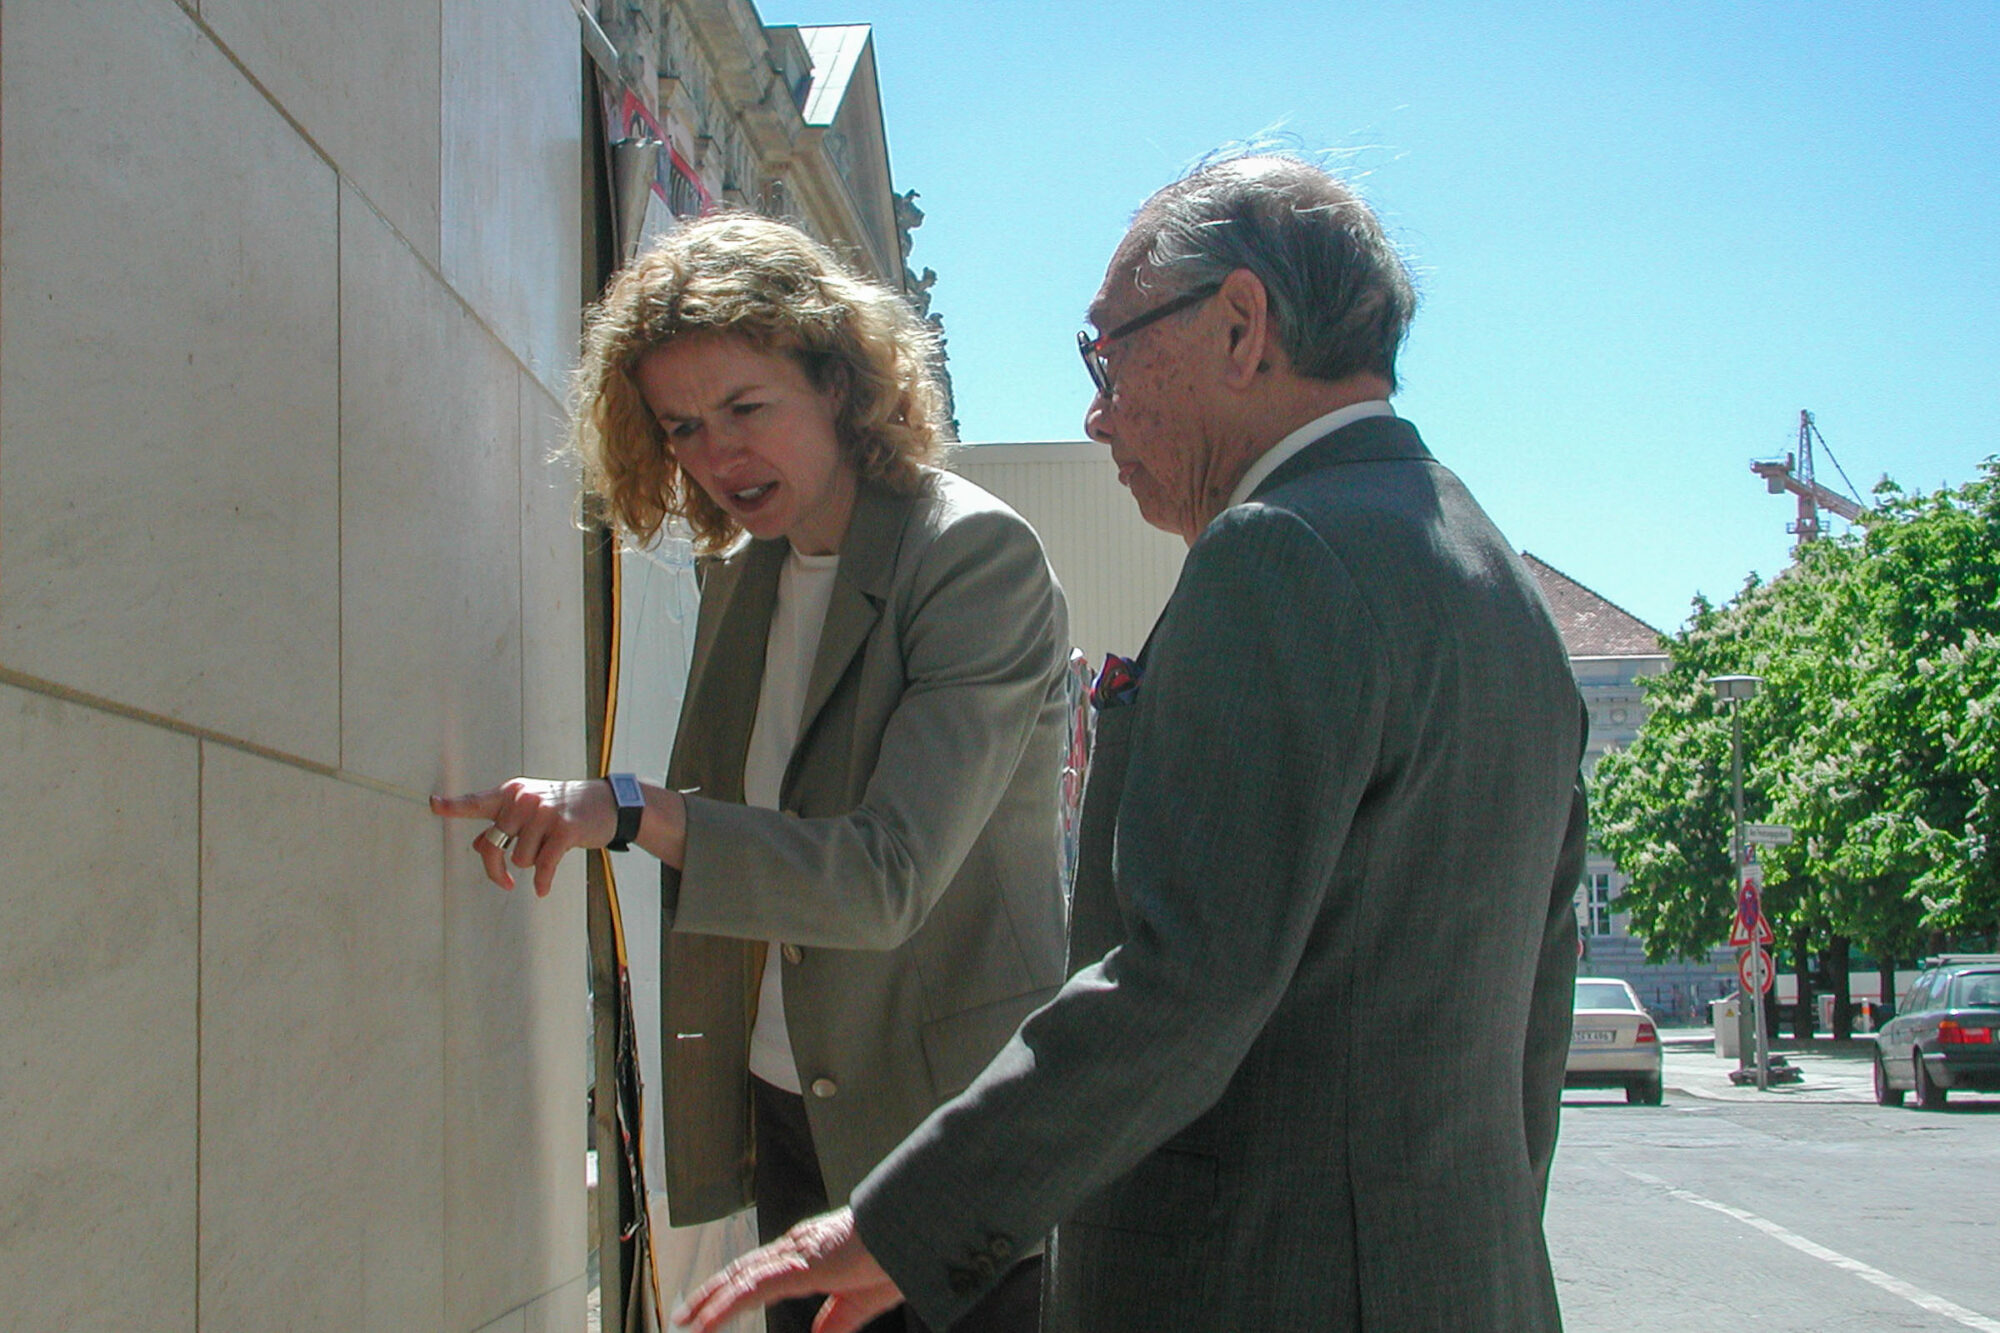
{"points": [[663, 828]]}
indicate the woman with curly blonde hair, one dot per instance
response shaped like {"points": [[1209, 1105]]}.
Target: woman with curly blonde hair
{"points": [[857, 832], [770, 286]]}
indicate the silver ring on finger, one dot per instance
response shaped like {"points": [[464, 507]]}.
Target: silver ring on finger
{"points": [[500, 838]]}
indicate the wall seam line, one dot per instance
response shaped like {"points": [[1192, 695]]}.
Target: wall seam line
{"points": [[22, 680], [200, 950], [339, 472], [521, 434]]}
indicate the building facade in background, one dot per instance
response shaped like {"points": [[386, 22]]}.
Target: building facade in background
{"points": [[1611, 651], [785, 121], [782, 120]]}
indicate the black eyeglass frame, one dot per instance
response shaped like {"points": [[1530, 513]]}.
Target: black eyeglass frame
{"points": [[1092, 349]]}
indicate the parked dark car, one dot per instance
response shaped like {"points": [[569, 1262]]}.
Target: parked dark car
{"points": [[1946, 1034]]}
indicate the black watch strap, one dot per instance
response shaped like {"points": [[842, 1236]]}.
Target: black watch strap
{"points": [[631, 809]]}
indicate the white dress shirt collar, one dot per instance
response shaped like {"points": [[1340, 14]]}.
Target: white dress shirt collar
{"points": [[1316, 429]]}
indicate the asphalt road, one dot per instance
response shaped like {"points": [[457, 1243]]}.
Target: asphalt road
{"points": [[1809, 1208]]}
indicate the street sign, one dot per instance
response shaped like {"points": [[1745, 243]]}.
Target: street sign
{"points": [[1768, 835], [1754, 970], [1751, 926]]}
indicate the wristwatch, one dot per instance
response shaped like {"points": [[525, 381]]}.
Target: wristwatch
{"points": [[631, 808]]}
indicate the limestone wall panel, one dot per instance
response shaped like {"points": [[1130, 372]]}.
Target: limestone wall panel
{"points": [[552, 667], [97, 1052], [362, 77], [168, 380], [512, 166], [322, 1171], [560, 1311], [516, 1024], [430, 533]]}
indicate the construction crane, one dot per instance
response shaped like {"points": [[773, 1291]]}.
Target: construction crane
{"points": [[1795, 474]]}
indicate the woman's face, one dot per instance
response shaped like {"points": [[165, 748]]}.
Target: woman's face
{"points": [[754, 433]]}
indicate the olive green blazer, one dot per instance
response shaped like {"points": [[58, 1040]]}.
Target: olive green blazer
{"points": [[913, 871]]}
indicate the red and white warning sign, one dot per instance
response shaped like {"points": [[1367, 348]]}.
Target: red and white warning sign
{"points": [[1750, 925], [1754, 969]]}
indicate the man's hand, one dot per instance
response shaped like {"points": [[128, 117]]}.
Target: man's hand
{"points": [[820, 1254]]}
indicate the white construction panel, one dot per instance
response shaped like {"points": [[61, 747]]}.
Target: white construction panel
{"points": [[1116, 571]]}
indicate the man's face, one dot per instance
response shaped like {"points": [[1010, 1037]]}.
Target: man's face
{"points": [[1151, 415]]}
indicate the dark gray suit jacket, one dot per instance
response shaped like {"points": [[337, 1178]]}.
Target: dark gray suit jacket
{"points": [[1309, 1077]]}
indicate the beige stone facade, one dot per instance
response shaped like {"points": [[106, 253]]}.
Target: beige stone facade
{"points": [[290, 291]]}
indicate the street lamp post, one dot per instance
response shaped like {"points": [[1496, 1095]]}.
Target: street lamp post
{"points": [[1733, 690]]}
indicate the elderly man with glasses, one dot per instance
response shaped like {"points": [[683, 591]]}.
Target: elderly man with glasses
{"points": [[1307, 1070]]}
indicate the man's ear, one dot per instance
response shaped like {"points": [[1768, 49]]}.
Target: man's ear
{"points": [[1246, 307]]}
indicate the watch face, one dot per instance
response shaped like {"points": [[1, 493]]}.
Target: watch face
{"points": [[625, 788]]}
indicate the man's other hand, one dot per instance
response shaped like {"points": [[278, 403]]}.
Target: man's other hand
{"points": [[820, 1254]]}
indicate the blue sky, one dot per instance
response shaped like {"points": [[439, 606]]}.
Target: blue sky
{"points": [[1646, 234]]}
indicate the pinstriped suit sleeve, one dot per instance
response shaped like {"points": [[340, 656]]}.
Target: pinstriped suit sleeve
{"points": [[1555, 989], [1256, 734]]}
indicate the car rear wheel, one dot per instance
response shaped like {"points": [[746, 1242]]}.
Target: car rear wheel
{"points": [[1929, 1095], [1884, 1094], [1647, 1092]]}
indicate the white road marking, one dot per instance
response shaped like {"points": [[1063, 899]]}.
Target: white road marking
{"points": [[1915, 1295]]}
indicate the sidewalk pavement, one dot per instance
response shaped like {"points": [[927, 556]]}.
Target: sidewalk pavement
{"points": [[1833, 1072]]}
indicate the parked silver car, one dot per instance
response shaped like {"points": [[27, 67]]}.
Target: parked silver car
{"points": [[1613, 1042], [1946, 1035]]}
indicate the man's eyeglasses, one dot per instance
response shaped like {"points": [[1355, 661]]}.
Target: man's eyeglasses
{"points": [[1092, 349]]}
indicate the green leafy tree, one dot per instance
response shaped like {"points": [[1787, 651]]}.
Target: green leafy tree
{"points": [[1876, 736], [1836, 777], [1930, 579]]}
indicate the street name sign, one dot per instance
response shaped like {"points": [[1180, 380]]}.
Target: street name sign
{"points": [[1767, 835]]}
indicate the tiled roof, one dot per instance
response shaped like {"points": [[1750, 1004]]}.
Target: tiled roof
{"points": [[1592, 626]]}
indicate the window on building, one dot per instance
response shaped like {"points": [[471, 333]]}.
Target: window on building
{"points": [[1597, 901], [683, 195]]}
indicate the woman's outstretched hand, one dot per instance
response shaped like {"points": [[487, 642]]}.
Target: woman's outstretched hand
{"points": [[534, 822]]}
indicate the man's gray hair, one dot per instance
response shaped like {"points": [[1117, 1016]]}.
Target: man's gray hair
{"points": [[1339, 294]]}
